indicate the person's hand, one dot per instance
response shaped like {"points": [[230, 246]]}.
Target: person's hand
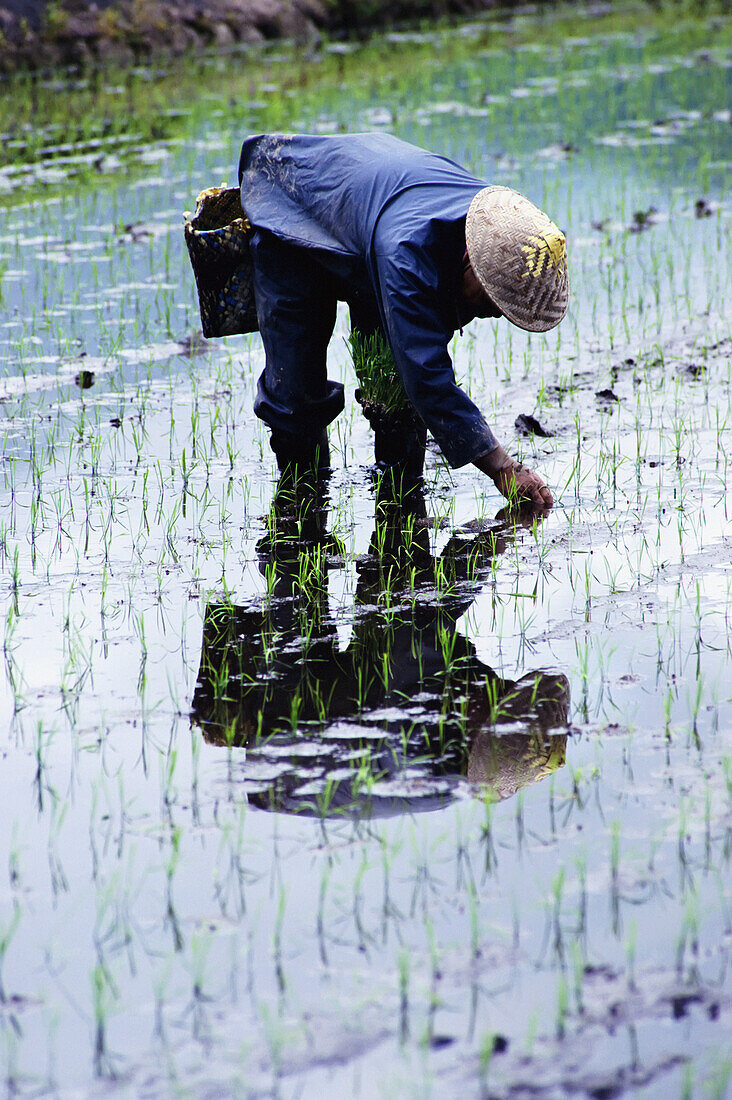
{"points": [[517, 482]]}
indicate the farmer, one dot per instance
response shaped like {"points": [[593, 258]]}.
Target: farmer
{"points": [[417, 247]]}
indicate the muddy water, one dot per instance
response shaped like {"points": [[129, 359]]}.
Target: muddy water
{"points": [[332, 790]]}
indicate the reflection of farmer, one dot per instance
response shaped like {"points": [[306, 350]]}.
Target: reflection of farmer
{"points": [[408, 694], [418, 247]]}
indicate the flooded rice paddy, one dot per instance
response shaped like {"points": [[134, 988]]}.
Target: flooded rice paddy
{"points": [[323, 790]]}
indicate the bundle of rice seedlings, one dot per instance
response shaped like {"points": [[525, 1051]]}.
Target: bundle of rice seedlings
{"points": [[400, 435], [376, 371]]}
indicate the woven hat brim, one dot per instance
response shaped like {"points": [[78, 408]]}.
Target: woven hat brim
{"points": [[519, 257]]}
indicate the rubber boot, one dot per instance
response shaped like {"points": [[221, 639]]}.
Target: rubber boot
{"points": [[301, 452], [400, 438], [400, 443]]}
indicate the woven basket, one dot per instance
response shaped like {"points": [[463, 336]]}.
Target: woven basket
{"points": [[217, 237]]}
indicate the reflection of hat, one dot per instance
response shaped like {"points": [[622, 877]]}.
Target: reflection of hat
{"points": [[519, 257], [503, 765]]}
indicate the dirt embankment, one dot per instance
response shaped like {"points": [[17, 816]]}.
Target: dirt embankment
{"points": [[50, 33]]}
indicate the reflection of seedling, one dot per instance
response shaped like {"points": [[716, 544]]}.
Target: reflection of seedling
{"points": [[562, 1007], [404, 968], [578, 973], [6, 936], [103, 998]]}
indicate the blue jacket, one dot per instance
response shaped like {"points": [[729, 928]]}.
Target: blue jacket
{"points": [[388, 220]]}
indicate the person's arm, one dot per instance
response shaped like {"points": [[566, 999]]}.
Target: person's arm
{"points": [[418, 335], [418, 327]]}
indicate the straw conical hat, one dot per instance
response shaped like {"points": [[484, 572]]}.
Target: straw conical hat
{"points": [[519, 256]]}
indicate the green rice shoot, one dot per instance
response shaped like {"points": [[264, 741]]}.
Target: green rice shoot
{"points": [[377, 374]]}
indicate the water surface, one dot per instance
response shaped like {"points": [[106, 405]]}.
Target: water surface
{"points": [[332, 790]]}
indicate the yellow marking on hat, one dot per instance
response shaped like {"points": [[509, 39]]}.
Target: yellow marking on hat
{"points": [[546, 249]]}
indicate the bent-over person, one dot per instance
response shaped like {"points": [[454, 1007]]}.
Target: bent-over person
{"points": [[417, 246]]}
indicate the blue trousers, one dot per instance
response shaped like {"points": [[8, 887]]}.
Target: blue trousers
{"points": [[296, 299]]}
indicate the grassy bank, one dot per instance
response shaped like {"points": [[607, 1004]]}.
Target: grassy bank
{"points": [[40, 35], [51, 34]]}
